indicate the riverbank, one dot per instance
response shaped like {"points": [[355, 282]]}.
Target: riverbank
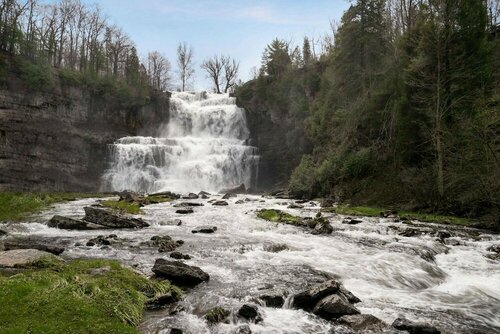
{"points": [[15, 206]]}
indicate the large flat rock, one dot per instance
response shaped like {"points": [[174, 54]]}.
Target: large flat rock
{"points": [[20, 257]]}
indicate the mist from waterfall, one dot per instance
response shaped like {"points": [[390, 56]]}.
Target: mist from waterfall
{"points": [[202, 147]]}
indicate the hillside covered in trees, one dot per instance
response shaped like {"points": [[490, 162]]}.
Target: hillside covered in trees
{"points": [[400, 107]]}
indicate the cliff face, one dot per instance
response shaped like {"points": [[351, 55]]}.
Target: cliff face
{"points": [[275, 134], [58, 142]]}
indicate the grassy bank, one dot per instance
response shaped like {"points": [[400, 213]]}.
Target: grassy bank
{"points": [[15, 206], [76, 298], [375, 212]]}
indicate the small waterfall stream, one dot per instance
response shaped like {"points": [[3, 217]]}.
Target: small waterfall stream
{"points": [[203, 147]]}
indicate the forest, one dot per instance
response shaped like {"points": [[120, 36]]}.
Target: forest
{"points": [[398, 105]]}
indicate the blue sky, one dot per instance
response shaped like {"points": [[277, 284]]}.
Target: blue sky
{"points": [[239, 28]]}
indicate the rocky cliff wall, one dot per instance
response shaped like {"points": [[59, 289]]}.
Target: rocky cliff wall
{"points": [[58, 142]]}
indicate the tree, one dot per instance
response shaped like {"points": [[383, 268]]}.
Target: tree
{"points": [[231, 68], [276, 59], [158, 68], [185, 64], [306, 52], [214, 67]]}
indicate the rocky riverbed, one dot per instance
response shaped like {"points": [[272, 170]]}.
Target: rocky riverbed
{"points": [[257, 276]]}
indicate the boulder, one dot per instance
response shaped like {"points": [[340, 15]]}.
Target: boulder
{"points": [[19, 258], [295, 206], [187, 204], [205, 229], [66, 223], [184, 211], [352, 221], [348, 295], [273, 299], [243, 329], [334, 307], [167, 194], [191, 196], [31, 244], [203, 193], [494, 248], [443, 234], [404, 324], [131, 197], [241, 189], [2, 233], [99, 241], [307, 299], [275, 248], [164, 243], [249, 312], [179, 273], [220, 203], [179, 256], [228, 196], [113, 220], [161, 302], [364, 323], [240, 201], [322, 227], [176, 331]]}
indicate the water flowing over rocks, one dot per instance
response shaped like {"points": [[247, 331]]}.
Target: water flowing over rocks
{"points": [[249, 260], [202, 147]]}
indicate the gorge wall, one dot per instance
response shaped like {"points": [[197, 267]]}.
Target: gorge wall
{"points": [[58, 141]]}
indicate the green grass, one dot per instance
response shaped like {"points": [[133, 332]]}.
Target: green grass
{"points": [[15, 206], [67, 298], [375, 212], [278, 216], [132, 208], [216, 314]]}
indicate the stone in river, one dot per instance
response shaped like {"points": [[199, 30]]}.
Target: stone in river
{"points": [[411, 327], [179, 273], [205, 229], [66, 223], [333, 307], [184, 211], [32, 244], [220, 203], [364, 323], [113, 220]]}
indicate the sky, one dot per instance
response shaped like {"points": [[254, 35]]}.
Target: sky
{"points": [[238, 28]]}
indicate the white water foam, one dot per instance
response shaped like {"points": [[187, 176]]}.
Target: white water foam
{"points": [[203, 147]]}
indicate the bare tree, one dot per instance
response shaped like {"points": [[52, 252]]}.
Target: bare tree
{"points": [[214, 67], [231, 68], [185, 63], [158, 68]]}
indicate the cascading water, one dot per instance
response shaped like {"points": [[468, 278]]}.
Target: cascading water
{"points": [[203, 147]]}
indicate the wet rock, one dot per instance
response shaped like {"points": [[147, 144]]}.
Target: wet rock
{"points": [[204, 197], [241, 189], [243, 329], [179, 256], [494, 248], [275, 248], [216, 315], [220, 203], [327, 203], [348, 295], [187, 204], [295, 206], [307, 299], [249, 312], [161, 302], [443, 234], [273, 299], [228, 196], [166, 194], [176, 222], [164, 243], [322, 227], [364, 323], [205, 229], [333, 307], [452, 242], [99, 241], [179, 273], [352, 221], [203, 193], [66, 223], [410, 232], [301, 201], [131, 197], [2, 233], [184, 211], [240, 201], [21, 258], [32, 244], [404, 324], [318, 215], [191, 196], [388, 214], [106, 218], [176, 331]]}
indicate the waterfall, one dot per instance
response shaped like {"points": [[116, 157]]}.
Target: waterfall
{"points": [[202, 147]]}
